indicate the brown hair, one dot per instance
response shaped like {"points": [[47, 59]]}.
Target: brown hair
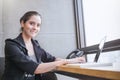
{"points": [[27, 16]]}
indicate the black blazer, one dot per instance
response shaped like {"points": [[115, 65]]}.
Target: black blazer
{"points": [[17, 61]]}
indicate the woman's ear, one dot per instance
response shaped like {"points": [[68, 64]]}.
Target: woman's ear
{"points": [[22, 24]]}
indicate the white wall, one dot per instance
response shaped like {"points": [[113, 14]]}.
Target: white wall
{"points": [[102, 18], [1, 29], [57, 34]]}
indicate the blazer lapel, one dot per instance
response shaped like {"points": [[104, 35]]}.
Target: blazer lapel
{"points": [[37, 50]]}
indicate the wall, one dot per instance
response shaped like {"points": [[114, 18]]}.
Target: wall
{"points": [[57, 35], [1, 29]]}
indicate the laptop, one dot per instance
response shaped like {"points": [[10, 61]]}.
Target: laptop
{"points": [[100, 48], [95, 62]]}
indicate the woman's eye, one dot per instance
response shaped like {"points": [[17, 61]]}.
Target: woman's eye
{"points": [[38, 25], [32, 23]]}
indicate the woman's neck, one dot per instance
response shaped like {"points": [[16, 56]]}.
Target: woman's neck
{"points": [[26, 39]]}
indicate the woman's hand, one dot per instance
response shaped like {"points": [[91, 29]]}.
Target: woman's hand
{"points": [[73, 60], [76, 60]]}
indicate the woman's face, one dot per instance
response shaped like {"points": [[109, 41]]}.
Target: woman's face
{"points": [[32, 26]]}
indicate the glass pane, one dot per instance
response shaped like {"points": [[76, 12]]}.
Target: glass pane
{"points": [[101, 18]]}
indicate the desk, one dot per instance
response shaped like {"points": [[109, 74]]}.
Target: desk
{"points": [[89, 74]]}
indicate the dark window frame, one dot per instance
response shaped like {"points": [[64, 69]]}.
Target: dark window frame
{"points": [[113, 45], [79, 24]]}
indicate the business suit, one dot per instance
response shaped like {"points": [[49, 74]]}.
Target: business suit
{"points": [[17, 62]]}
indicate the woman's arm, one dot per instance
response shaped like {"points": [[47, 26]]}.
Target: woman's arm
{"points": [[46, 67]]}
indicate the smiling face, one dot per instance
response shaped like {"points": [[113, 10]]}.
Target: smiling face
{"points": [[31, 27]]}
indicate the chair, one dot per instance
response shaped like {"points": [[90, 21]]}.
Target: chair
{"points": [[2, 63], [49, 76], [75, 53]]}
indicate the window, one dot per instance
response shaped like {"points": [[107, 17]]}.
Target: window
{"points": [[99, 18]]}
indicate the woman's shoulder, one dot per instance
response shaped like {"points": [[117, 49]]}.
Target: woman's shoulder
{"points": [[13, 42], [9, 40]]}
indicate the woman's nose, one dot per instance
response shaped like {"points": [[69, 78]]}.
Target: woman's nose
{"points": [[35, 27]]}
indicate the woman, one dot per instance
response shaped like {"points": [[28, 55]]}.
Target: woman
{"points": [[24, 58]]}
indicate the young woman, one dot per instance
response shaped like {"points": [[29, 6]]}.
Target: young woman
{"points": [[24, 58]]}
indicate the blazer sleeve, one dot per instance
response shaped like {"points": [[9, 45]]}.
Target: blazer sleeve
{"points": [[45, 56], [19, 58]]}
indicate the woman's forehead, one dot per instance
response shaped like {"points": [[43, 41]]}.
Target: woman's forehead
{"points": [[35, 18]]}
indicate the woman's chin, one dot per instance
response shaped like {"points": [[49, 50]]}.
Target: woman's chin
{"points": [[33, 35]]}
